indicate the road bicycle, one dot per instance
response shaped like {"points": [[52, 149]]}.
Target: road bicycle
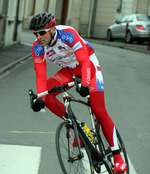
{"points": [[81, 150]]}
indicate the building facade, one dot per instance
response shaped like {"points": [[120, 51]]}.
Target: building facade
{"points": [[11, 19], [90, 18]]}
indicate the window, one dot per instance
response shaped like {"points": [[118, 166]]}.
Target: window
{"points": [[124, 19], [130, 19], [142, 17]]}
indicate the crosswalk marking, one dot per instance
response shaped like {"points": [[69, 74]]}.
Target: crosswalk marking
{"points": [[15, 159], [26, 159]]}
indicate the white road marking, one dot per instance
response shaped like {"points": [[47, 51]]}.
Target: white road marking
{"points": [[131, 168], [15, 159], [85, 162]]}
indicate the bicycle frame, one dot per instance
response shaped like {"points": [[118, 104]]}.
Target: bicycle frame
{"points": [[70, 117], [96, 154]]}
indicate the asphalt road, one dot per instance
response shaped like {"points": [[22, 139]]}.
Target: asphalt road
{"points": [[127, 96]]}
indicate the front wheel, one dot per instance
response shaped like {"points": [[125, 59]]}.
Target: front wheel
{"points": [[71, 161]]}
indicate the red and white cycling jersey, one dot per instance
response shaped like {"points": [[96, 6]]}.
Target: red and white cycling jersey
{"points": [[62, 49], [67, 50]]}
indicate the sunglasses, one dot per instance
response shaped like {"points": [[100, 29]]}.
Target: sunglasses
{"points": [[41, 32]]}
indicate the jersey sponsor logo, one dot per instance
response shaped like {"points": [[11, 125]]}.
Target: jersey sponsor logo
{"points": [[50, 53], [69, 54], [65, 37], [61, 48], [56, 76], [88, 76], [38, 59], [38, 50], [90, 89]]}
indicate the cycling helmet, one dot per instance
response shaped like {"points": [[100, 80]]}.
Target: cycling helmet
{"points": [[43, 20]]}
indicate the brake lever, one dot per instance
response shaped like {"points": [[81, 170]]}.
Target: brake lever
{"points": [[77, 82], [32, 97]]}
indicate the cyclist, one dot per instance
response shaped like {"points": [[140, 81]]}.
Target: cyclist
{"points": [[62, 45]]}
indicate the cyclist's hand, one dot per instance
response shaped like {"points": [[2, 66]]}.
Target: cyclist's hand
{"points": [[38, 105], [83, 90]]}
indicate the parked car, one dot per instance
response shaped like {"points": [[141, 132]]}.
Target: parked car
{"points": [[134, 27]]}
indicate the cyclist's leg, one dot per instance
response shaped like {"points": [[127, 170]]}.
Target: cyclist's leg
{"points": [[60, 78], [98, 106], [108, 128]]}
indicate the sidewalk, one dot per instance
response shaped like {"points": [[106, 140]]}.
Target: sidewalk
{"points": [[14, 54]]}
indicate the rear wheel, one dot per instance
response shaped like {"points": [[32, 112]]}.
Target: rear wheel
{"points": [[106, 150], [70, 160], [123, 150]]}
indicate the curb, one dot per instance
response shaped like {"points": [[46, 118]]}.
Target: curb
{"points": [[120, 46], [13, 64]]}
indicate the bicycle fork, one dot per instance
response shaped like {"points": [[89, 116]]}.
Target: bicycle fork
{"points": [[80, 155], [77, 126], [72, 124]]}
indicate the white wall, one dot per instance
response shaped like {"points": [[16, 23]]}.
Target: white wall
{"points": [[75, 14], [104, 17], [52, 6], [11, 22]]}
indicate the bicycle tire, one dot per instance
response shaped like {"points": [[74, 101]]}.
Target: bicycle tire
{"points": [[62, 145], [123, 150], [106, 150]]}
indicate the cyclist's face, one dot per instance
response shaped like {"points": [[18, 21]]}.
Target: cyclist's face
{"points": [[45, 39]]}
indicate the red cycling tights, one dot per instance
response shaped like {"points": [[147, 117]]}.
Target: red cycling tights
{"points": [[97, 105]]}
